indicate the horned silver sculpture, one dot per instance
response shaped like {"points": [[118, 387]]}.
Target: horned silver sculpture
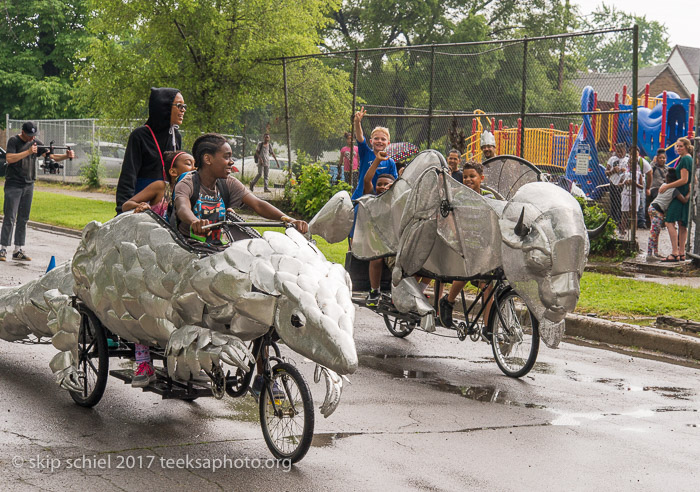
{"points": [[146, 288], [436, 225]]}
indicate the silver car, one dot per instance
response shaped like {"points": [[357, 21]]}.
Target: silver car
{"points": [[111, 156]]}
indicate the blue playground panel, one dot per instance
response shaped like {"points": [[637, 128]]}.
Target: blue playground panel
{"points": [[649, 125], [595, 177]]}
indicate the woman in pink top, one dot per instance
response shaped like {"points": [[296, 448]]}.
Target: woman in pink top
{"points": [[345, 158]]}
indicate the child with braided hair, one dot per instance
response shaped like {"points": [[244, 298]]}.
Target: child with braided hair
{"points": [[156, 197]]}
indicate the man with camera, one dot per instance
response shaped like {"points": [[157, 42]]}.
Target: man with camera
{"points": [[22, 152]]}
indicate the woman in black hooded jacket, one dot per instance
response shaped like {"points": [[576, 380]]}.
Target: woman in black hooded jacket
{"points": [[143, 162]]}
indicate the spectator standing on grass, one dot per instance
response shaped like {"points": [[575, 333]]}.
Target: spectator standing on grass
{"points": [[677, 213], [22, 151], [143, 161], [345, 152], [262, 159], [614, 171]]}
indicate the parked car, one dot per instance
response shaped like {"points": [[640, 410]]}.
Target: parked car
{"points": [[111, 156], [276, 177]]}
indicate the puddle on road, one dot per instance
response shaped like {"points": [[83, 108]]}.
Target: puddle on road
{"points": [[539, 367], [671, 392], [329, 438], [618, 383], [674, 409], [489, 394], [411, 356], [246, 409]]}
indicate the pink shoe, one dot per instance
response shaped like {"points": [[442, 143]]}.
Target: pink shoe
{"points": [[143, 376]]}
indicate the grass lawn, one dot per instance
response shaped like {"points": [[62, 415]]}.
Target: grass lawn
{"points": [[611, 295], [67, 211], [602, 294]]}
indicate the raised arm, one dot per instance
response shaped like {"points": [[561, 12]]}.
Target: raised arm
{"points": [[357, 121], [369, 175]]}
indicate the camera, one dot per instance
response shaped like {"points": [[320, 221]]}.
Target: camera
{"points": [[50, 166]]}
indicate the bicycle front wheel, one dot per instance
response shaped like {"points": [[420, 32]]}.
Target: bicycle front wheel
{"points": [[287, 413], [515, 338]]}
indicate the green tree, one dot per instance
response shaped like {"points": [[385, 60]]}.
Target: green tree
{"points": [[214, 52], [38, 42], [611, 52], [376, 23]]}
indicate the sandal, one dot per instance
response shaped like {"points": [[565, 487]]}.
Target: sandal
{"points": [[681, 257], [671, 259]]}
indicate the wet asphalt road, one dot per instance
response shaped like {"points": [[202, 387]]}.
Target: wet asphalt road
{"points": [[424, 412]]}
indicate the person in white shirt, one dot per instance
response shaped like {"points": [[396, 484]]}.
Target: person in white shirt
{"points": [[629, 209], [645, 166], [614, 170]]}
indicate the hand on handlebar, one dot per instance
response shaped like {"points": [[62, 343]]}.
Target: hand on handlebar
{"points": [[197, 227], [300, 226]]}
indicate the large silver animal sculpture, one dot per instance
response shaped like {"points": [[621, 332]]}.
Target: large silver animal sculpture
{"points": [[147, 288], [439, 227]]}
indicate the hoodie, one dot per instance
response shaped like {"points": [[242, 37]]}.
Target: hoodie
{"points": [[142, 164]]}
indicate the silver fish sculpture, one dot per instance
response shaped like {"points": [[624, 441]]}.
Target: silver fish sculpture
{"points": [[145, 287], [434, 224]]}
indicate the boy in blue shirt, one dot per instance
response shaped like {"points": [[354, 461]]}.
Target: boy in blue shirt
{"points": [[385, 167], [379, 139]]}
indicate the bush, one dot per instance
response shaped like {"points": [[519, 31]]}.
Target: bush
{"points": [[311, 189], [92, 173], [594, 216]]}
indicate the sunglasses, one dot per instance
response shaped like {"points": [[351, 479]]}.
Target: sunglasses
{"points": [[180, 106]]}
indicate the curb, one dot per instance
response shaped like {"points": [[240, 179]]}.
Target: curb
{"points": [[623, 334], [52, 228], [619, 334]]}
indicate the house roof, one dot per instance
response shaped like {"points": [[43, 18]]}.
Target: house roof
{"points": [[608, 84], [691, 56]]}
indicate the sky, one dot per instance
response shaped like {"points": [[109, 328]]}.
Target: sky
{"points": [[681, 17]]}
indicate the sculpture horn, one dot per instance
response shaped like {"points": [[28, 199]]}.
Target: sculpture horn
{"points": [[595, 233], [521, 229]]}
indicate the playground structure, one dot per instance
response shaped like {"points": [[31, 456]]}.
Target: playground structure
{"points": [[661, 121]]}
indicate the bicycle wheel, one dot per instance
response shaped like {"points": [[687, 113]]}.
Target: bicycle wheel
{"points": [[515, 344], [288, 424], [93, 361], [398, 327]]}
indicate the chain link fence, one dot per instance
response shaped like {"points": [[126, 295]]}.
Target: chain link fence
{"points": [[85, 137], [534, 94]]}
